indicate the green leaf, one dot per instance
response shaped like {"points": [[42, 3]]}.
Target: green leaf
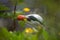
{"points": [[22, 23], [3, 7], [45, 35], [18, 1]]}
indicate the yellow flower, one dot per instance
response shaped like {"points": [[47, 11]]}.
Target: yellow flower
{"points": [[29, 30], [26, 9], [25, 19]]}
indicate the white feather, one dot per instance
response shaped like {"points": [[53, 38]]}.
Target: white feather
{"points": [[38, 17]]}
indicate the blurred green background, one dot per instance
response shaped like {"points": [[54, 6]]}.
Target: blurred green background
{"points": [[48, 9]]}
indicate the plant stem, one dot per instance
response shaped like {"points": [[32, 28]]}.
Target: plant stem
{"points": [[14, 21]]}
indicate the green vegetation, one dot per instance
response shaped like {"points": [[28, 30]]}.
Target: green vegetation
{"points": [[51, 20]]}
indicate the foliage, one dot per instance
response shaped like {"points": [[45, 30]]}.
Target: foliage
{"points": [[5, 35], [50, 20]]}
